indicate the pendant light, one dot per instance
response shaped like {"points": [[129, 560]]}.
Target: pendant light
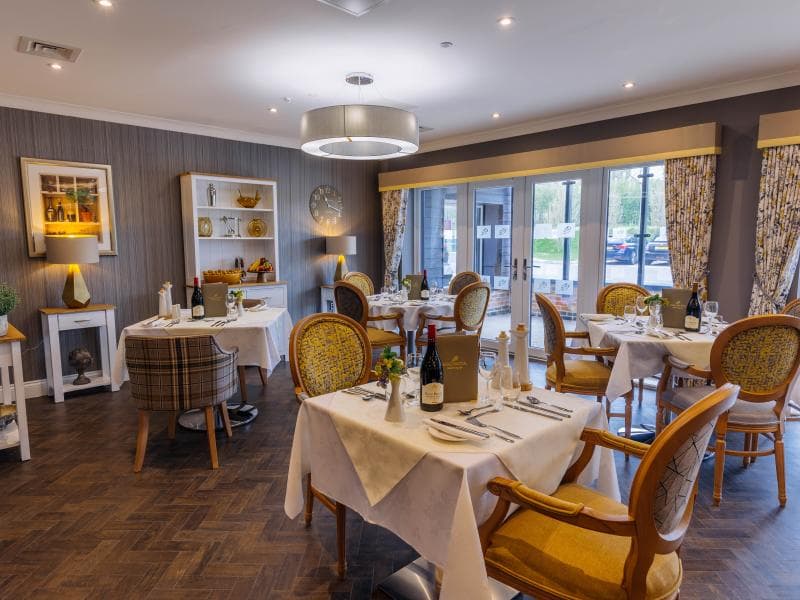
{"points": [[359, 131]]}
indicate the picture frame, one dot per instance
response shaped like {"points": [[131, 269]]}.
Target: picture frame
{"points": [[63, 198]]}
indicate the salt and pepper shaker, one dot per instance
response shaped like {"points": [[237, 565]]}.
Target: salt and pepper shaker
{"points": [[502, 359], [521, 350], [212, 195]]}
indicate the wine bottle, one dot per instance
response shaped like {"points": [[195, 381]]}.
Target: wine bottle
{"points": [[424, 290], [431, 376], [198, 308], [60, 214], [691, 321], [50, 213]]}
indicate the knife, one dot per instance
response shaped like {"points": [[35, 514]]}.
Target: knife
{"points": [[532, 411], [548, 410], [485, 436]]}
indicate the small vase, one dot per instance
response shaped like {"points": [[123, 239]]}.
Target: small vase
{"points": [[655, 321], [3, 325], [240, 308], [395, 413]]}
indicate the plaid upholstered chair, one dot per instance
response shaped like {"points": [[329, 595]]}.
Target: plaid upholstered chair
{"points": [[585, 377], [328, 352], [362, 281], [578, 543], [351, 302], [462, 280], [180, 373], [469, 311], [761, 355]]}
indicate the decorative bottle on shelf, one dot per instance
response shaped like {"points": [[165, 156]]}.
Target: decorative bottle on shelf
{"points": [[424, 289], [431, 376], [212, 195], [521, 357], [691, 322], [50, 213], [60, 214], [198, 308], [502, 359]]}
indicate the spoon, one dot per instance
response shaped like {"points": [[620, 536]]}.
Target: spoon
{"points": [[468, 411]]}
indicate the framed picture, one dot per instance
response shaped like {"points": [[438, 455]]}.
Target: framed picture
{"points": [[63, 198]]}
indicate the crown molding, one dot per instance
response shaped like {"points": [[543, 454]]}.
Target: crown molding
{"points": [[720, 92], [101, 114]]}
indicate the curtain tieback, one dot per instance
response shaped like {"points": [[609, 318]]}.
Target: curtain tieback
{"points": [[777, 305]]}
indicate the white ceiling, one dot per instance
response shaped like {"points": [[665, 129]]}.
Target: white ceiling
{"points": [[214, 66]]}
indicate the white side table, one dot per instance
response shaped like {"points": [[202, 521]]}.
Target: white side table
{"points": [[326, 300], [56, 320], [14, 434]]}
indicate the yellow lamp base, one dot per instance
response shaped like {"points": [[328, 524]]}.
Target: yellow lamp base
{"points": [[76, 294], [341, 269]]}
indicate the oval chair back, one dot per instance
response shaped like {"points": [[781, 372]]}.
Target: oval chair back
{"points": [[462, 280], [613, 298], [362, 281], [554, 333], [351, 301], [328, 352], [663, 490], [470, 306], [792, 308]]}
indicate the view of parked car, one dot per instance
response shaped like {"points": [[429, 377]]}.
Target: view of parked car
{"points": [[657, 251], [623, 250]]}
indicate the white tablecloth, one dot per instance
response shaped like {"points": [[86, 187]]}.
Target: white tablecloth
{"points": [[410, 310], [641, 355], [262, 337], [433, 494]]}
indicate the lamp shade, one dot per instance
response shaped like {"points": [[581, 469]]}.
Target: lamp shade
{"points": [[341, 244], [72, 249]]}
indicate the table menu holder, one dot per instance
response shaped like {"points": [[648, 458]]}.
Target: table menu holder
{"points": [[459, 355], [214, 295], [414, 288], [673, 310]]}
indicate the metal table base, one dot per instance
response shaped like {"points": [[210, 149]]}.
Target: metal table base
{"points": [[240, 414]]}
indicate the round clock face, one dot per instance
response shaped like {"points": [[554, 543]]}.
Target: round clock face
{"points": [[325, 205]]}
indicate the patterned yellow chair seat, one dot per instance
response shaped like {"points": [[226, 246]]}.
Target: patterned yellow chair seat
{"points": [[379, 337], [573, 561], [352, 302], [743, 412], [581, 373]]}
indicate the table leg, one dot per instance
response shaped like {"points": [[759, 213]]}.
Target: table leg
{"points": [[19, 392], [48, 367], [111, 342], [55, 359]]}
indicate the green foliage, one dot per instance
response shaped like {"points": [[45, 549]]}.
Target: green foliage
{"points": [[654, 299], [9, 299]]}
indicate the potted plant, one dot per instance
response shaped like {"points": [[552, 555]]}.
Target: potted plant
{"points": [[389, 369], [9, 299]]}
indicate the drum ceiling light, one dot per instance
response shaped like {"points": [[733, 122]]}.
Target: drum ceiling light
{"points": [[359, 131]]}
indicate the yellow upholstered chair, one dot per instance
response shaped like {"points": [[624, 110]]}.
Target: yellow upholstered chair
{"points": [[577, 543], [352, 302], [587, 377], [328, 352], [469, 311], [462, 280], [792, 308], [362, 281], [761, 355]]}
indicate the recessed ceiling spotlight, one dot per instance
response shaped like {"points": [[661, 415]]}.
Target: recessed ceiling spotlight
{"points": [[628, 85], [55, 66], [104, 3], [287, 99], [446, 44], [272, 109], [506, 21], [495, 115]]}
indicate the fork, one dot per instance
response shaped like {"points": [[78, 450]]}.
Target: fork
{"points": [[468, 411], [475, 421]]}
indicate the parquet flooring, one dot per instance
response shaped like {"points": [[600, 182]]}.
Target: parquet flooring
{"points": [[77, 523]]}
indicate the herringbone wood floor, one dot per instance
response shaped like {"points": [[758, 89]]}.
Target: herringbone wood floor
{"points": [[77, 523]]}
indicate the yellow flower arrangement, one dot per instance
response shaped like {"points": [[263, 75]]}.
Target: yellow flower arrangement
{"points": [[388, 367]]}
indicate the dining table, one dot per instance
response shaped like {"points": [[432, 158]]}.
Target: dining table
{"points": [[433, 493]]}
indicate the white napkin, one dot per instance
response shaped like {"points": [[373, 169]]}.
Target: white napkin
{"points": [[596, 317], [453, 431], [159, 323], [258, 308], [662, 335]]}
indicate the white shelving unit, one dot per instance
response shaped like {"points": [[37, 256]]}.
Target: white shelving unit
{"points": [[219, 250]]}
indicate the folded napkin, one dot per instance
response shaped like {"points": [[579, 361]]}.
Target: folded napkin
{"points": [[662, 335], [596, 317], [258, 308], [160, 323], [443, 425]]}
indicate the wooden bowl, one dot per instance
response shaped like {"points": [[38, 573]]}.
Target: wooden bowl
{"points": [[229, 276]]}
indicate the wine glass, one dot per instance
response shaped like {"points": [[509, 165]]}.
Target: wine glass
{"points": [[509, 384], [711, 308], [641, 306], [413, 364], [486, 365], [629, 313]]}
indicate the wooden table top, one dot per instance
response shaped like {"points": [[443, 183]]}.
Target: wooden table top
{"points": [[13, 335], [63, 310]]}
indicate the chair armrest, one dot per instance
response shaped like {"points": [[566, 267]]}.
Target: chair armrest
{"points": [[424, 318], [597, 437], [687, 367], [386, 317], [583, 335], [590, 350]]}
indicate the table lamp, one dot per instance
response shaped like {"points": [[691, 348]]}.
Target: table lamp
{"points": [[73, 250], [343, 245]]}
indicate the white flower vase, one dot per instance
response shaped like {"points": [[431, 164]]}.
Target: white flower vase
{"points": [[240, 308], [395, 413], [3, 325], [655, 320]]}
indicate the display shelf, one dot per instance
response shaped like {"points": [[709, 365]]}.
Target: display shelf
{"points": [[220, 238], [239, 208]]}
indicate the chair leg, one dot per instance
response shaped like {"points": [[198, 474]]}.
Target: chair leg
{"points": [[226, 419], [641, 392], [212, 436], [141, 440], [243, 383], [173, 419], [263, 375], [780, 467], [719, 466], [754, 447], [748, 446], [628, 413], [341, 513], [309, 501]]}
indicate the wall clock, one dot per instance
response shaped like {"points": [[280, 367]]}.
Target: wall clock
{"points": [[326, 205]]}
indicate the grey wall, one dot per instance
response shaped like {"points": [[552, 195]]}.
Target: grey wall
{"points": [[145, 165], [738, 173]]}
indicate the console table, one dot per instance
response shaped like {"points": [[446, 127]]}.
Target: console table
{"points": [[56, 320], [11, 356]]}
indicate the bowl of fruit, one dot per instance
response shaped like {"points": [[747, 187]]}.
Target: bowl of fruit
{"points": [[263, 269]]}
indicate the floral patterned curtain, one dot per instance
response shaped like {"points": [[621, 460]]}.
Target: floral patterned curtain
{"points": [[394, 227], [689, 187], [777, 229]]}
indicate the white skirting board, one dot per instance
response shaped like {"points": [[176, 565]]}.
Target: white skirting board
{"points": [[38, 387]]}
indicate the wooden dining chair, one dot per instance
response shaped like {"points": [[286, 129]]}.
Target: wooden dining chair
{"points": [[586, 377], [462, 280], [578, 543], [328, 352], [792, 308], [352, 302], [362, 281], [175, 374], [469, 311], [761, 355], [613, 299]]}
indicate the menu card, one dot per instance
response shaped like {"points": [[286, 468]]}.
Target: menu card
{"points": [[214, 299], [459, 355], [673, 310], [414, 288]]}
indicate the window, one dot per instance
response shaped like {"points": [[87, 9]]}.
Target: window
{"points": [[437, 230], [637, 249]]}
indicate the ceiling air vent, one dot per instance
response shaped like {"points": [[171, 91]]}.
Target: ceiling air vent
{"points": [[423, 129], [357, 8], [48, 49]]}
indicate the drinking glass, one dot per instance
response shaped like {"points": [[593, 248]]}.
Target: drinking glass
{"points": [[640, 305], [629, 314], [413, 364], [509, 384], [385, 291], [486, 364]]}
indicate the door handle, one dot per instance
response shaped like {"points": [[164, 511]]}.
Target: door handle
{"points": [[525, 268], [514, 270]]}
